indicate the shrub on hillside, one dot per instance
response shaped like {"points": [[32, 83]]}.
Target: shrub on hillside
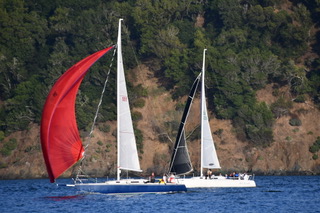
{"points": [[315, 157], [8, 147], [281, 107], [300, 99], [139, 103], [136, 116], [255, 123], [139, 140], [315, 147], [295, 122], [104, 128], [2, 136]]}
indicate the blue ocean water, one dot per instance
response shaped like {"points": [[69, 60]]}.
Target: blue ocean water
{"points": [[272, 194]]}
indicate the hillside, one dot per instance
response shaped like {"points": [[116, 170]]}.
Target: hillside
{"points": [[288, 154], [262, 80]]}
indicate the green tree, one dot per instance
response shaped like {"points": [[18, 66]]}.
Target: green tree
{"points": [[166, 42], [152, 16], [233, 38], [230, 12], [257, 65], [255, 122], [256, 17], [314, 82], [175, 69], [22, 40], [26, 105]]}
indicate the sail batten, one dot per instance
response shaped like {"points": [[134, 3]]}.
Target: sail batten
{"points": [[130, 169], [60, 139]]}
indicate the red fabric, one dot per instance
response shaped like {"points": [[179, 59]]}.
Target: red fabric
{"points": [[60, 139]]}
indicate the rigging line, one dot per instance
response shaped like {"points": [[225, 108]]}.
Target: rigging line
{"points": [[101, 97], [98, 108], [194, 129]]}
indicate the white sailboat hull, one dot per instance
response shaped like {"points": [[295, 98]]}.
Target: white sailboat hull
{"points": [[216, 182], [208, 157]]}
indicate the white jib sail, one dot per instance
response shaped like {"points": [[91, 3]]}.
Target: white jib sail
{"points": [[127, 149], [209, 157]]}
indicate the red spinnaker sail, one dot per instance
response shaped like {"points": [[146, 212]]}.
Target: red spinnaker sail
{"points": [[60, 139]]}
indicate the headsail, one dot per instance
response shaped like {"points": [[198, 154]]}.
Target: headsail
{"points": [[180, 160], [209, 157], [127, 148], [60, 140]]}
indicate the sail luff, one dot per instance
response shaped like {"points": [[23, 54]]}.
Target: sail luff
{"points": [[180, 160], [127, 149], [202, 101], [60, 140], [209, 157]]}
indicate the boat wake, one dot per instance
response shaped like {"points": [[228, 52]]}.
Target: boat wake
{"points": [[69, 197]]}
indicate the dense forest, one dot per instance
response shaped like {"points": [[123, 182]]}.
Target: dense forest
{"points": [[251, 43]]}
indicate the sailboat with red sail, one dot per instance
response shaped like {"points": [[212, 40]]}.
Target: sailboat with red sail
{"points": [[60, 139]]}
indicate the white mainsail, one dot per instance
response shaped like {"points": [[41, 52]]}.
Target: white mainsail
{"points": [[127, 150], [209, 157]]}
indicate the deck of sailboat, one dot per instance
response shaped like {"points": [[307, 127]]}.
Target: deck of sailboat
{"points": [[217, 182]]}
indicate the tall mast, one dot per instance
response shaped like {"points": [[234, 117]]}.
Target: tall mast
{"points": [[203, 99], [119, 60]]}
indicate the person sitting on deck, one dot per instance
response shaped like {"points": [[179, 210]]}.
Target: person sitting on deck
{"points": [[171, 179], [209, 174], [236, 175], [164, 178], [152, 178]]}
